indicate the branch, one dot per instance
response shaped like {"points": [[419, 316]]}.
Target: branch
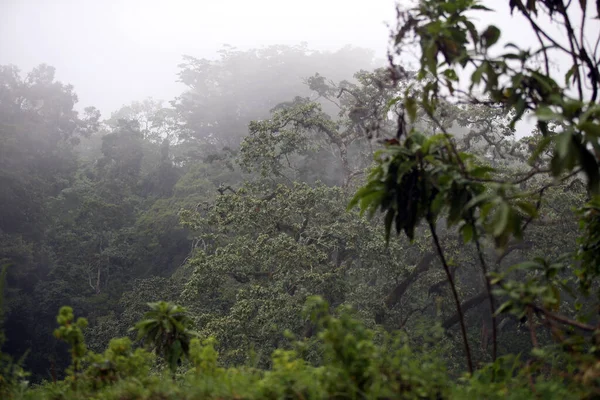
{"points": [[411, 313], [565, 320], [465, 306], [510, 249], [488, 289], [459, 311], [352, 175], [396, 295], [222, 189]]}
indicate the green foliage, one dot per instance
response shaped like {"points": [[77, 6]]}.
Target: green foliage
{"points": [[166, 330], [12, 375], [357, 367], [353, 367], [417, 181], [70, 331], [589, 245], [420, 174], [118, 362], [204, 357]]}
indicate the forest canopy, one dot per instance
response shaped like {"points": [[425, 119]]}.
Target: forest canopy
{"points": [[309, 224]]}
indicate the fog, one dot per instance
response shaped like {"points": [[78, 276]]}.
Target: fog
{"points": [[118, 51]]}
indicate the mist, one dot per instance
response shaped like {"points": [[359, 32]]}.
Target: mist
{"points": [[115, 51]]}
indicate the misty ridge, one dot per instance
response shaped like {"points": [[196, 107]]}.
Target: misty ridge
{"points": [[396, 201]]}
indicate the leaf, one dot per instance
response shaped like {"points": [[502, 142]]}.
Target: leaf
{"points": [[556, 165], [525, 266], [527, 208], [490, 36], [570, 73], [545, 113], [467, 233], [478, 74], [563, 144], [478, 200], [543, 127], [472, 30], [519, 111], [437, 203], [481, 172], [411, 107], [501, 219], [451, 74], [360, 193], [505, 307], [591, 169], [392, 102], [370, 200], [430, 55], [590, 128]]}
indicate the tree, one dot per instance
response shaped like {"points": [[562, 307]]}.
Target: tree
{"points": [[241, 86], [38, 128], [427, 178], [300, 134], [166, 329]]}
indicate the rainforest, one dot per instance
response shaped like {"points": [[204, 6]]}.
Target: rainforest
{"points": [[300, 223]]}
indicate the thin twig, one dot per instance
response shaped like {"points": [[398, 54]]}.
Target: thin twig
{"points": [[565, 320], [532, 333]]}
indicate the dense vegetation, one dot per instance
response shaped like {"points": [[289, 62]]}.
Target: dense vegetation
{"points": [[219, 246]]}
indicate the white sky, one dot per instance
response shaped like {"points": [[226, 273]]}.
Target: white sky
{"points": [[118, 51], [115, 51]]}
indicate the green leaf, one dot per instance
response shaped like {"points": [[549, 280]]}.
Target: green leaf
{"points": [[527, 208], [490, 36], [467, 232], [545, 113], [437, 203], [480, 199], [501, 219], [481, 172], [570, 73], [392, 102], [430, 55], [525, 266], [478, 74], [571, 108], [540, 148], [590, 128], [506, 307], [520, 106], [563, 144], [411, 108], [451, 74], [556, 165]]}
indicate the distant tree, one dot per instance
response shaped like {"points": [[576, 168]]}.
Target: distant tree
{"points": [[224, 95]]}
